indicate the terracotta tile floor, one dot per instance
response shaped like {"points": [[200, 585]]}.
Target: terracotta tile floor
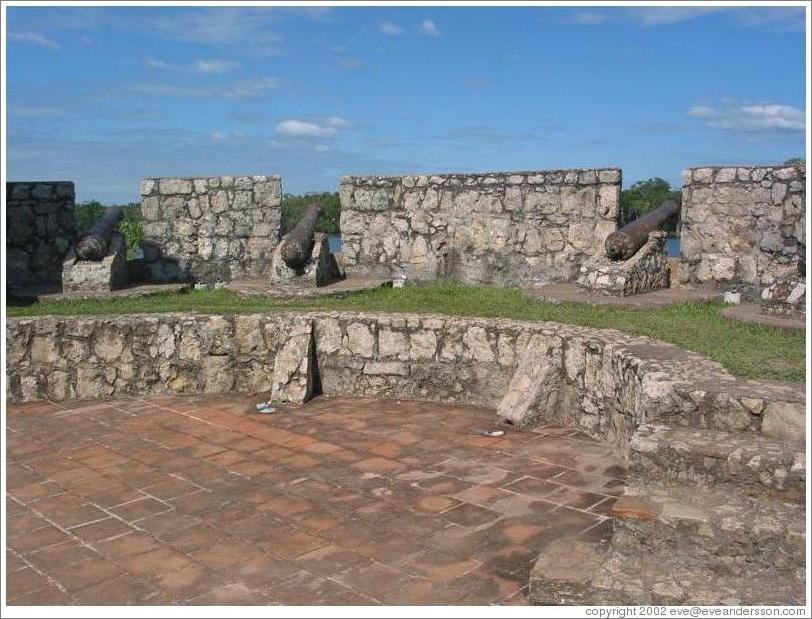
{"points": [[199, 500]]}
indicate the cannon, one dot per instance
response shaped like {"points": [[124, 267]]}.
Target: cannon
{"points": [[297, 245], [624, 243], [94, 243]]}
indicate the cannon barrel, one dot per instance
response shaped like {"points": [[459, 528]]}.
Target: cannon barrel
{"points": [[297, 245], [624, 243], [94, 243]]}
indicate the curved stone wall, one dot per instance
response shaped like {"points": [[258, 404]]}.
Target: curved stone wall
{"points": [[602, 381]]}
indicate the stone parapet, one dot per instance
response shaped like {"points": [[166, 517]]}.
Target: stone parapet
{"points": [[40, 229], [210, 229], [514, 228], [742, 227], [607, 381]]}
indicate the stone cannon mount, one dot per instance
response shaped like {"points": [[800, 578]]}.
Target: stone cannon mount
{"points": [[98, 261], [303, 255]]}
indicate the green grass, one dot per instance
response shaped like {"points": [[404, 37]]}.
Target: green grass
{"points": [[750, 351]]}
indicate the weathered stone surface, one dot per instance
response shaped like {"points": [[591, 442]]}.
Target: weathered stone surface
{"points": [[534, 390], [40, 229], [784, 420], [608, 381], [785, 297], [294, 376], [320, 270], [646, 270], [107, 274], [563, 573], [519, 228], [704, 456], [210, 230], [634, 508], [742, 228]]}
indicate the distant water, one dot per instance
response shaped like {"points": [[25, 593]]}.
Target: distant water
{"points": [[673, 247], [334, 240]]}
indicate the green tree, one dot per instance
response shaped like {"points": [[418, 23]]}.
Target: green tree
{"points": [[645, 196], [293, 206], [130, 227], [87, 213]]}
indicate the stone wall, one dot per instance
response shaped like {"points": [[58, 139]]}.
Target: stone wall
{"points": [[742, 227], [518, 228], [607, 382], [210, 229], [40, 228]]}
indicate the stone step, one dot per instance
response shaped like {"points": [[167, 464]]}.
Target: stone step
{"points": [[724, 522], [704, 457], [778, 411], [628, 573]]}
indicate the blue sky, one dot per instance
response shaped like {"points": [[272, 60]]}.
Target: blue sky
{"points": [[106, 96]]}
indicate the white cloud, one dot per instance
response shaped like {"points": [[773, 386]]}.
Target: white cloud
{"points": [[702, 111], [251, 89], [34, 38], [428, 27], [587, 18], [390, 28], [245, 90], [324, 128], [154, 63], [203, 66], [221, 136], [216, 26], [216, 65], [659, 16], [351, 63], [780, 19], [36, 111], [751, 118]]}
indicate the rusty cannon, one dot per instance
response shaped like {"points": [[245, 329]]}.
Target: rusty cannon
{"points": [[94, 243], [297, 245], [624, 243]]}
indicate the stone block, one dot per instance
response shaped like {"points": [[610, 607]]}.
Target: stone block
{"points": [[295, 375], [534, 389], [784, 420], [104, 275], [563, 573]]}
